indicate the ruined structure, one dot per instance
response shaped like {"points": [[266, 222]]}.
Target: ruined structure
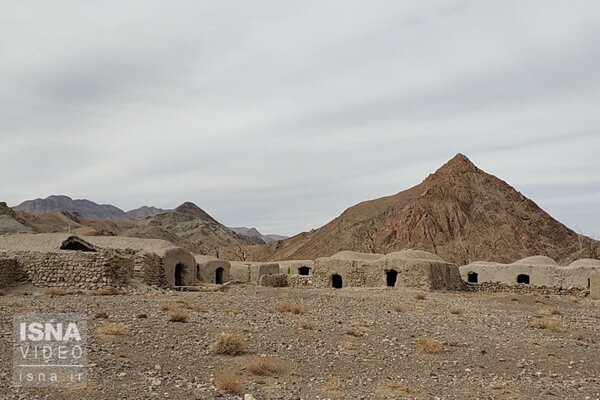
{"points": [[212, 270], [296, 267], [249, 271], [407, 268], [537, 271], [59, 260], [62, 260]]}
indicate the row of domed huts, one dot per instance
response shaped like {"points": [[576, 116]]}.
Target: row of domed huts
{"points": [[90, 262]]}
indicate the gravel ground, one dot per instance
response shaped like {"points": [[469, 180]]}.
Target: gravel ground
{"points": [[344, 344]]}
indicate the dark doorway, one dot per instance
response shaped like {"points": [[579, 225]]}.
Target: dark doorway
{"points": [[473, 277], [179, 275], [336, 281], [304, 270], [390, 277], [589, 283], [219, 276], [523, 278], [75, 244]]}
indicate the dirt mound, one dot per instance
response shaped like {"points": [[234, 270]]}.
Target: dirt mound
{"points": [[460, 213]]}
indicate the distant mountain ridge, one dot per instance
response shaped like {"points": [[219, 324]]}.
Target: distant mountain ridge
{"points": [[144, 211], [85, 208], [255, 234]]}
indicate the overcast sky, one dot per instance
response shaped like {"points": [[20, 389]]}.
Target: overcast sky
{"points": [[281, 114]]}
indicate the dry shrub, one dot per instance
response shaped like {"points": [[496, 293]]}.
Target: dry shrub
{"points": [[230, 344], [355, 331], [550, 324], [110, 291], [112, 329], [420, 296], [514, 299], [101, 315], [55, 292], [178, 315], [166, 306], [287, 307], [398, 388], [262, 366], [306, 324], [229, 381], [333, 384], [455, 311], [428, 345], [398, 309]]}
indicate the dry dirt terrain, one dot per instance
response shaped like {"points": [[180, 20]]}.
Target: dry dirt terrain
{"points": [[324, 344]]}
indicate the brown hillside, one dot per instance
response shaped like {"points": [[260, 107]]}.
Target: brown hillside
{"points": [[460, 213]]}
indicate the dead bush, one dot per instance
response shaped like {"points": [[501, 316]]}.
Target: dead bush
{"points": [[550, 324], [229, 381], [456, 311], [288, 307], [262, 366], [428, 345], [55, 292], [306, 324], [112, 329], [178, 315], [110, 291], [333, 384], [398, 309], [230, 344], [101, 315], [420, 296], [398, 388]]}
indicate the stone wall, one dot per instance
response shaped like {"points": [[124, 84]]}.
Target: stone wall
{"points": [[73, 269], [8, 271], [274, 280], [524, 289], [248, 271], [207, 270], [148, 268]]}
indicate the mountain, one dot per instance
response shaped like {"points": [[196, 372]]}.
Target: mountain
{"points": [[460, 213], [85, 208], [9, 222], [144, 211], [258, 237]]}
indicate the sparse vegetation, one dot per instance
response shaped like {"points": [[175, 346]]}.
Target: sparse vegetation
{"points": [[178, 315], [428, 345], [398, 309], [230, 344], [110, 291], [456, 311], [262, 366], [112, 329], [420, 296], [550, 324], [333, 384], [288, 307], [306, 324], [397, 388], [101, 315], [229, 381]]}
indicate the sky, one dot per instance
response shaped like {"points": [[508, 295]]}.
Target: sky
{"points": [[281, 114]]}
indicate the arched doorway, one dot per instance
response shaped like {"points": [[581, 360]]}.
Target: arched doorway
{"points": [[304, 270], [523, 278], [219, 276], [336, 281], [179, 275], [391, 277]]}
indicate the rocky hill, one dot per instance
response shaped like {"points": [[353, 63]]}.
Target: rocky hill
{"points": [[85, 208], [254, 235], [144, 211], [460, 213]]}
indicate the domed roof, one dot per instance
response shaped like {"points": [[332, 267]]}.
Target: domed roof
{"points": [[355, 255], [536, 260], [585, 262], [411, 254]]}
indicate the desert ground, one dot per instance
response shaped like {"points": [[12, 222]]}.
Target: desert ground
{"points": [[353, 343]]}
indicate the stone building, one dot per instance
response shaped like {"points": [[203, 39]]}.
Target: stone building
{"points": [[57, 259], [535, 271], [212, 270], [250, 271], [60, 260], [296, 267], [407, 268]]}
